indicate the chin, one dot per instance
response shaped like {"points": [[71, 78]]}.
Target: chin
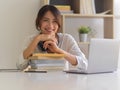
{"points": [[49, 32]]}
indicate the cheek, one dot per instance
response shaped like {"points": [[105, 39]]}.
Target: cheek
{"points": [[43, 25], [57, 27]]}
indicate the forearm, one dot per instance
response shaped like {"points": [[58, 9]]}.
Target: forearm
{"points": [[30, 49], [69, 57]]}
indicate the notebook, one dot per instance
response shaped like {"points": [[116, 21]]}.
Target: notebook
{"points": [[103, 56]]}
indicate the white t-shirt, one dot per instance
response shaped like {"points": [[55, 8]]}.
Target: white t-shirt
{"points": [[67, 43]]}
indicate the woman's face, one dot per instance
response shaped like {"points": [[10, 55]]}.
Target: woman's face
{"points": [[49, 24]]}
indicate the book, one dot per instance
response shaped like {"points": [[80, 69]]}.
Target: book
{"points": [[67, 12], [63, 7], [48, 56]]}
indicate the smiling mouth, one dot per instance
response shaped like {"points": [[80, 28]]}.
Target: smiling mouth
{"points": [[49, 30]]}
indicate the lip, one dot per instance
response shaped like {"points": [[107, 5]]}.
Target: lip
{"points": [[49, 30]]}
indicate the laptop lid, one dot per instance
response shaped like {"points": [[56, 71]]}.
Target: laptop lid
{"points": [[103, 56]]}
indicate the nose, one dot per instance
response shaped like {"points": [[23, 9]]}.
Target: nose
{"points": [[50, 25]]}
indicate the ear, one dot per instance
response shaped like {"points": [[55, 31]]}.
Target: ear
{"points": [[38, 28]]}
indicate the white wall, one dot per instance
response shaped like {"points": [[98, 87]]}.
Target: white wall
{"points": [[17, 19], [117, 22]]}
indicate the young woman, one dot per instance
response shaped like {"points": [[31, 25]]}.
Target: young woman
{"points": [[48, 23]]}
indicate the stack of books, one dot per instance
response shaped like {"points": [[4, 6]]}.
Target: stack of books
{"points": [[64, 9]]}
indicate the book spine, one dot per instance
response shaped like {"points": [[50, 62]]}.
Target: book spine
{"points": [[63, 7]]}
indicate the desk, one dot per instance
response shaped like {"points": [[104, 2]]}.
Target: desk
{"points": [[58, 80]]}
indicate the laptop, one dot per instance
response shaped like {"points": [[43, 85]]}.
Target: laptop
{"points": [[103, 56]]}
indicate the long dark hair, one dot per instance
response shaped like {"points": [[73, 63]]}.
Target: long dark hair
{"points": [[42, 12]]}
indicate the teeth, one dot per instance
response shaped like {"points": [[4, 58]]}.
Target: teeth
{"points": [[49, 30]]}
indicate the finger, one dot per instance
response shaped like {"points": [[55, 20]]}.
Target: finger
{"points": [[46, 44]]}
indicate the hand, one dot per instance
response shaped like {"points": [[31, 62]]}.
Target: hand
{"points": [[51, 46], [46, 37]]}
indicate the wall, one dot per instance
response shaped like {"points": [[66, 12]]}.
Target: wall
{"points": [[117, 22], [17, 19]]}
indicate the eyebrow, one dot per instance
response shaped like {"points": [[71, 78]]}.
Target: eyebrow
{"points": [[49, 18], [45, 18]]}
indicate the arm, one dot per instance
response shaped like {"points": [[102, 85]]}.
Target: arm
{"points": [[69, 57], [73, 48], [32, 46], [30, 49]]}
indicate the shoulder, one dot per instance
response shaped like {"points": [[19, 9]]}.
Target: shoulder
{"points": [[65, 36], [66, 39]]}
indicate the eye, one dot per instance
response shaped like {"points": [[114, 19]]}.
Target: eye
{"points": [[45, 19], [55, 21]]}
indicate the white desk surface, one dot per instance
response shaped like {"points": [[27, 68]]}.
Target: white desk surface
{"points": [[58, 80]]}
